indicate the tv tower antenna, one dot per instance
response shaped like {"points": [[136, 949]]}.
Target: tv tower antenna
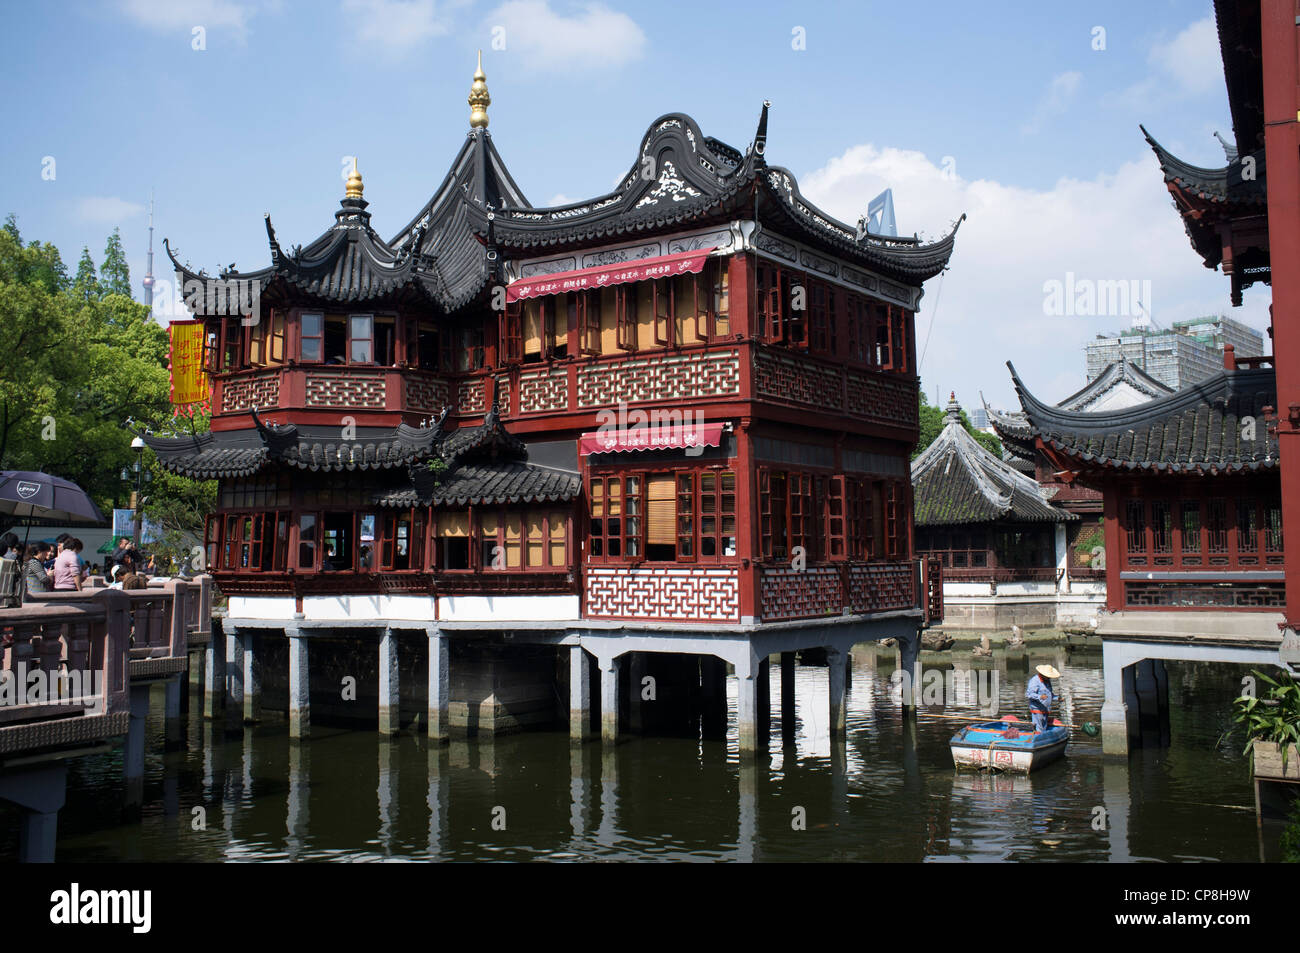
{"points": [[148, 275]]}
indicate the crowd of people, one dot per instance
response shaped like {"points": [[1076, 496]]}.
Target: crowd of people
{"points": [[59, 567]]}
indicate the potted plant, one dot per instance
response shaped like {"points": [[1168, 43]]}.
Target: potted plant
{"points": [[1272, 727]]}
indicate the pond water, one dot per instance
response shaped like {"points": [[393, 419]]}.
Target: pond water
{"points": [[889, 793]]}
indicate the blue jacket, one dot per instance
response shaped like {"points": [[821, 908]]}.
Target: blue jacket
{"points": [[1040, 694]]}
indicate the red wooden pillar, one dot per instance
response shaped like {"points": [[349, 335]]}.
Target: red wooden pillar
{"points": [[1280, 44], [747, 543], [1114, 548]]}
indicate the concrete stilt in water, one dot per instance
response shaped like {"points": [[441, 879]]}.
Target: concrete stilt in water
{"points": [[252, 675], [909, 652], [1117, 801], [297, 811], [609, 699], [439, 685], [579, 694], [133, 755], [390, 704], [747, 826], [579, 791], [607, 831], [387, 795], [637, 664], [195, 668], [438, 799], [763, 692], [40, 791], [214, 675], [747, 702], [234, 674], [836, 663], [787, 696], [713, 689], [1114, 710], [299, 684], [174, 692]]}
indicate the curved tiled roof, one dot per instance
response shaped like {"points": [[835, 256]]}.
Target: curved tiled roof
{"points": [[1202, 428], [956, 481], [234, 453], [347, 263], [682, 178], [442, 230], [1226, 184]]}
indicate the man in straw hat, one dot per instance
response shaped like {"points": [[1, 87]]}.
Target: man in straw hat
{"points": [[1040, 696]]}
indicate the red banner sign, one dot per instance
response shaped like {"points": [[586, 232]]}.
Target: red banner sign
{"points": [[653, 437], [664, 266], [189, 376]]}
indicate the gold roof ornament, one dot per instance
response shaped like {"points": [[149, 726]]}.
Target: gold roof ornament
{"points": [[355, 186], [479, 100]]}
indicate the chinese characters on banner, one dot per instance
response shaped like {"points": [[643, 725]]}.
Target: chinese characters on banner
{"points": [[189, 376]]}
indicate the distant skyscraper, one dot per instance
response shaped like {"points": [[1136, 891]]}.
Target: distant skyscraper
{"points": [[1186, 353], [148, 274]]}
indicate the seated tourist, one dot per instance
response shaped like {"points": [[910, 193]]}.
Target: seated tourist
{"points": [[67, 566], [36, 577]]}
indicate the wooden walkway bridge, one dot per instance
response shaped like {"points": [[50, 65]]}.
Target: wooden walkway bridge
{"points": [[76, 669]]}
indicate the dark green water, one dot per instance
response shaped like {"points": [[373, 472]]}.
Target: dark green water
{"points": [[889, 794]]}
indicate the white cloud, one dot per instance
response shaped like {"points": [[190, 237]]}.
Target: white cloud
{"points": [[990, 305], [593, 37], [1190, 63], [167, 15], [107, 211], [558, 199], [395, 25], [1060, 91]]}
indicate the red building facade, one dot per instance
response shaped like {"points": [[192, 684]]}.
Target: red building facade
{"points": [[692, 399]]}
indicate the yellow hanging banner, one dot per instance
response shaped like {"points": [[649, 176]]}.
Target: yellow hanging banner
{"points": [[189, 376]]}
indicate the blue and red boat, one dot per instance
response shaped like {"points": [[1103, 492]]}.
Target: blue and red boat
{"points": [[1008, 745]]}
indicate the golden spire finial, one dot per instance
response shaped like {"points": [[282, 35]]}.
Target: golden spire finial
{"points": [[355, 186], [479, 100]]}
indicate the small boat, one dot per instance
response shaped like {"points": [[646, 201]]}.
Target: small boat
{"points": [[1008, 745]]}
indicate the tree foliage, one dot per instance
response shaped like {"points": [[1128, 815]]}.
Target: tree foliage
{"points": [[114, 275], [76, 367], [932, 421], [85, 287]]}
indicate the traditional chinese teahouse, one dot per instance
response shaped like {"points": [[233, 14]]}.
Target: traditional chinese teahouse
{"points": [[674, 419], [1001, 543]]}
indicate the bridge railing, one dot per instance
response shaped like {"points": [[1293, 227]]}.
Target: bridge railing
{"points": [[64, 672], [161, 618]]}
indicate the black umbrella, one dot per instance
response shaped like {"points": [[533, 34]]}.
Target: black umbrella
{"points": [[49, 499]]}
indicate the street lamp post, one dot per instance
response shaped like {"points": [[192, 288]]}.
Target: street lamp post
{"points": [[142, 476]]}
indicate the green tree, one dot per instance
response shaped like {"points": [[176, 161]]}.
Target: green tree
{"points": [[932, 424], [86, 285], [115, 276], [76, 367]]}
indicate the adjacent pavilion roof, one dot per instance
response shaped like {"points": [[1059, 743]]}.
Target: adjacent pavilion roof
{"points": [[1224, 209], [1118, 381], [1203, 428], [956, 481]]}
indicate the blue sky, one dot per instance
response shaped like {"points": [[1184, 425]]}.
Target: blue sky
{"points": [[1004, 111]]}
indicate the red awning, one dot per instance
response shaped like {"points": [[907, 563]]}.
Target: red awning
{"points": [[655, 436], [664, 266]]}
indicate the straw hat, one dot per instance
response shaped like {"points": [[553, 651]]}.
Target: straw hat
{"points": [[1047, 671]]}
